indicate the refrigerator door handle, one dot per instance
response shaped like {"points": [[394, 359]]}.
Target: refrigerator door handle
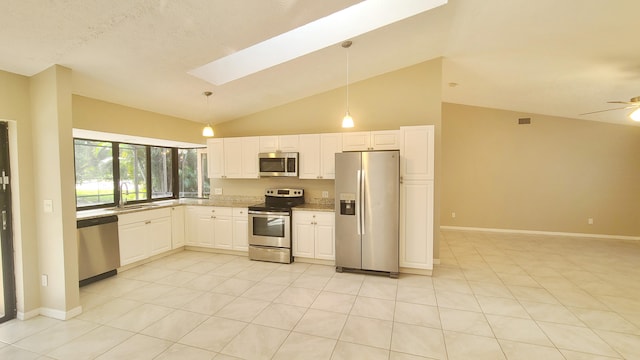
{"points": [[358, 192], [362, 200]]}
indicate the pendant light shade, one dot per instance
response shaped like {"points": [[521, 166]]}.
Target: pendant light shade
{"points": [[635, 115], [207, 131], [347, 121]]}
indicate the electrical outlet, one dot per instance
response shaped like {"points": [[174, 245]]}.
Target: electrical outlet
{"points": [[325, 194], [453, 215], [217, 191], [44, 280], [590, 221]]}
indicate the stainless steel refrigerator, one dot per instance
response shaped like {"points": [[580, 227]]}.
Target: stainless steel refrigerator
{"points": [[367, 190]]}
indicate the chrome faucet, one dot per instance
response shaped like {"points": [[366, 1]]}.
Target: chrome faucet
{"points": [[123, 200]]}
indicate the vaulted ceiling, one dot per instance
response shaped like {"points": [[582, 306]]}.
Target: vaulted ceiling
{"points": [[549, 57]]}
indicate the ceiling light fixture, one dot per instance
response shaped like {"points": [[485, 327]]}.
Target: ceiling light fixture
{"points": [[635, 115], [347, 121], [207, 131]]}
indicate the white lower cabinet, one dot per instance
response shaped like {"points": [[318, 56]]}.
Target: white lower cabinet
{"points": [[416, 224], [198, 226], [177, 227], [240, 229], [216, 227], [143, 234], [314, 235]]}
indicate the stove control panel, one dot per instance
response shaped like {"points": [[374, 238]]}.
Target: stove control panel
{"points": [[284, 192]]}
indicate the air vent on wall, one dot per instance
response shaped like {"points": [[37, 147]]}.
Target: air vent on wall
{"points": [[524, 121]]}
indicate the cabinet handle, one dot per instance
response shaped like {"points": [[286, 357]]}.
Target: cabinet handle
{"points": [[147, 222]]}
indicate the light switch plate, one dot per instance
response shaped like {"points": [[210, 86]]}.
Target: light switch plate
{"points": [[217, 191], [48, 206]]}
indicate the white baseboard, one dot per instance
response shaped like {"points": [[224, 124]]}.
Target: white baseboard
{"points": [[59, 314], [52, 313], [534, 232], [28, 315]]}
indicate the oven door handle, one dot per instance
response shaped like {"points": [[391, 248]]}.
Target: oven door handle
{"points": [[277, 213]]}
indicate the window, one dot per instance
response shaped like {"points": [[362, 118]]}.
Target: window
{"points": [[94, 172], [192, 173], [133, 171], [105, 169], [161, 173]]}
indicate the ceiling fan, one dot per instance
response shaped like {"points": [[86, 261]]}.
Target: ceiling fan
{"points": [[633, 103]]}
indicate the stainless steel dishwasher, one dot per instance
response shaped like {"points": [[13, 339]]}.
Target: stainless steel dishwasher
{"points": [[98, 248]]}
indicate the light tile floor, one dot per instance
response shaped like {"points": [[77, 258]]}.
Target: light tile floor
{"points": [[494, 296]]}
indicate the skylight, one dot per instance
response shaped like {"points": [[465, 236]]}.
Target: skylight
{"points": [[319, 34]]}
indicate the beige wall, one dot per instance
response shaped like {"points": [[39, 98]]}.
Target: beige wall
{"points": [[409, 96], [53, 162], [14, 106], [96, 115], [551, 175]]}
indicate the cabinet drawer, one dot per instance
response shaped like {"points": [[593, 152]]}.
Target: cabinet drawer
{"points": [[143, 215], [222, 211], [240, 212]]}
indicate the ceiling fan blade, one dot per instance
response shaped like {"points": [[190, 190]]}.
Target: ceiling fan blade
{"points": [[599, 111]]}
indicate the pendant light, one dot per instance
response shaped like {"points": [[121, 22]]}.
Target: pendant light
{"points": [[347, 121], [207, 131]]}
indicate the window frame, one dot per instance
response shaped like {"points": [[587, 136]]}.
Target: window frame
{"points": [[115, 146]]}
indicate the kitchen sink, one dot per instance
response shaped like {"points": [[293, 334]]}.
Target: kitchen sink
{"points": [[133, 207]]}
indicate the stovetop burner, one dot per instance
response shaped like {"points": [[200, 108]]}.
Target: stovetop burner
{"points": [[280, 200]]}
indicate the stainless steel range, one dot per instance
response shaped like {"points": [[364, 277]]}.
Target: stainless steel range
{"points": [[270, 225]]}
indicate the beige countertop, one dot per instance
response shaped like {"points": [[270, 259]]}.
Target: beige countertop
{"points": [[315, 207], [94, 213]]}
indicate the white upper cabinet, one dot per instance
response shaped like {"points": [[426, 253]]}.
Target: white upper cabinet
{"points": [[330, 145], [284, 143], [215, 150], [416, 152], [309, 160], [233, 158], [250, 150], [371, 140], [317, 155]]}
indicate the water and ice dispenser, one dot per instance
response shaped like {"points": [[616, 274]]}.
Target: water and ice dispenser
{"points": [[347, 204]]}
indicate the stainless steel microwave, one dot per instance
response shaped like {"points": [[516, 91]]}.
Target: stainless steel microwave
{"points": [[278, 164]]}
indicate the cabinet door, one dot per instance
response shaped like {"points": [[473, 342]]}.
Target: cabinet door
{"points": [[330, 144], [417, 152], [356, 141], [159, 235], [132, 240], [250, 150], [215, 156], [385, 140], [191, 225], [325, 236], [288, 143], [309, 157], [177, 227], [303, 241], [222, 232], [416, 224], [199, 229], [233, 158], [268, 144]]}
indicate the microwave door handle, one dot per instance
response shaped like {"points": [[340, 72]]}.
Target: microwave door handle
{"points": [[358, 190]]}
